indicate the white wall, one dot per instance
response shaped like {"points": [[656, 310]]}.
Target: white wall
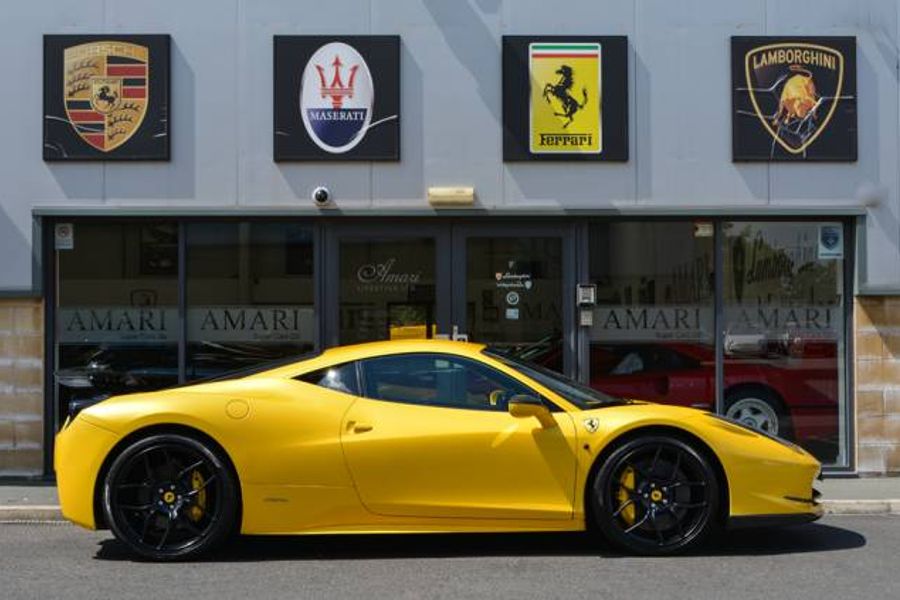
{"points": [[680, 122]]}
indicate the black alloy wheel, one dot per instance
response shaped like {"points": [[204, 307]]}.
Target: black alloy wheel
{"points": [[170, 497], [655, 495]]}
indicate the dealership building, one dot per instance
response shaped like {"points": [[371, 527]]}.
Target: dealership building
{"points": [[696, 206]]}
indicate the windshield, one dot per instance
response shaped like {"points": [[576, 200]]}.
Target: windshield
{"points": [[580, 395]]}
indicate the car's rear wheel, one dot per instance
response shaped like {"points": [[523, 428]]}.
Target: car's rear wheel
{"points": [[655, 495], [170, 497]]}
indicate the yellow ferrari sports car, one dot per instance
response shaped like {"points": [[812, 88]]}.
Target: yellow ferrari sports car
{"points": [[416, 436]]}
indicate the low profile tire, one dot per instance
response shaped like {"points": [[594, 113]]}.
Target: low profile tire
{"points": [[655, 495], [170, 497], [760, 409]]}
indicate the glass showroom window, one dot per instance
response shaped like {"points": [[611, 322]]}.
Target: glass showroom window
{"points": [[117, 310], [387, 290], [784, 331], [249, 294], [652, 333]]}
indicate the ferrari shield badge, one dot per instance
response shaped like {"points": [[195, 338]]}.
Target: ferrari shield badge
{"points": [[592, 424], [566, 97], [105, 87], [794, 88]]}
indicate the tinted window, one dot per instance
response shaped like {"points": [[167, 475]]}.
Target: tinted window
{"points": [[439, 380], [580, 395], [340, 378]]}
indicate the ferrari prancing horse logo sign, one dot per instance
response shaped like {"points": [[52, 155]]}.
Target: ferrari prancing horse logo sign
{"points": [[105, 88], [592, 424]]}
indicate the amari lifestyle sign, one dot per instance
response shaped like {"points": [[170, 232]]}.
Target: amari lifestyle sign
{"points": [[150, 324]]}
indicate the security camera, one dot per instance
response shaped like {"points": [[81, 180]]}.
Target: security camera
{"points": [[321, 196]]}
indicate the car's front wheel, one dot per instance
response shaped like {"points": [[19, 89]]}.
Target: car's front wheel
{"points": [[655, 495], [170, 497]]}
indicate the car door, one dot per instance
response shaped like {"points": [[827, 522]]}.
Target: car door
{"points": [[432, 438]]}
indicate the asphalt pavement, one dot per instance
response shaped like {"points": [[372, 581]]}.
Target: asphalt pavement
{"points": [[838, 557]]}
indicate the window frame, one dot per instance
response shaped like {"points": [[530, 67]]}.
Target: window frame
{"points": [[361, 372], [357, 377]]}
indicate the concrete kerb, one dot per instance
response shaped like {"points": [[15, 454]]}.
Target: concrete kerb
{"points": [[861, 507], [37, 512]]}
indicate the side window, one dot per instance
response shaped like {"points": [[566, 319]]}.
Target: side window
{"points": [[439, 380], [340, 378]]}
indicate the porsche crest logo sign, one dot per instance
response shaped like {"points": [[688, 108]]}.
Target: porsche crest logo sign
{"points": [[794, 98], [105, 86], [106, 97], [565, 98]]}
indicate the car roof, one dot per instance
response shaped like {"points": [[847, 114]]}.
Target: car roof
{"points": [[417, 345], [340, 354]]}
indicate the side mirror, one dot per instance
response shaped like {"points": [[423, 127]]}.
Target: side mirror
{"points": [[523, 406]]}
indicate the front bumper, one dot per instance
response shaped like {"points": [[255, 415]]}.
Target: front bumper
{"points": [[81, 448], [749, 521], [814, 512]]}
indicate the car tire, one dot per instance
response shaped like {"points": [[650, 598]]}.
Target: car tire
{"points": [[760, 409], [655, 495], [170, 497]]}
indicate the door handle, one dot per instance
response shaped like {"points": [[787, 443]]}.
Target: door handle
{"points": [[361, 428]]}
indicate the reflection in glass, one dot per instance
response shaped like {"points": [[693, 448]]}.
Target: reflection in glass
{"points": [[783, 331], [387, 290], [117, 316], [514, 296], [249, 294], [652, 335]]}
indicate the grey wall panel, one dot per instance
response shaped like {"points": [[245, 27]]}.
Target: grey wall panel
{"points": [[684, 104], [25, 180], [679, 103], [203, 127], [874, 176]]}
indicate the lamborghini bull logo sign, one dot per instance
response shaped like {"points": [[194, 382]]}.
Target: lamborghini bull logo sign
{"points": [[794, 89], [105, 87]]}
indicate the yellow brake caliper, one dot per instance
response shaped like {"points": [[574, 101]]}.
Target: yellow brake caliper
{"points": [[627, 483], [196, 511]]}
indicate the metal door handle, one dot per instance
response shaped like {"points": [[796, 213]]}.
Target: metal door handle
{"points": [[362, 428]]}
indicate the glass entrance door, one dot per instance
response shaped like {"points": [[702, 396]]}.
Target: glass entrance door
{"points": [[387, 283], [510, 290], [498, 284]]}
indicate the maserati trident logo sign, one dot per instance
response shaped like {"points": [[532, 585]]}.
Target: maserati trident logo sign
{"points": [[797, 90], [336, 97]]}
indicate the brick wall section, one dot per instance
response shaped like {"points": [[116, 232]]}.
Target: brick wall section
{"points": [[21, 387], [877, 342]]}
